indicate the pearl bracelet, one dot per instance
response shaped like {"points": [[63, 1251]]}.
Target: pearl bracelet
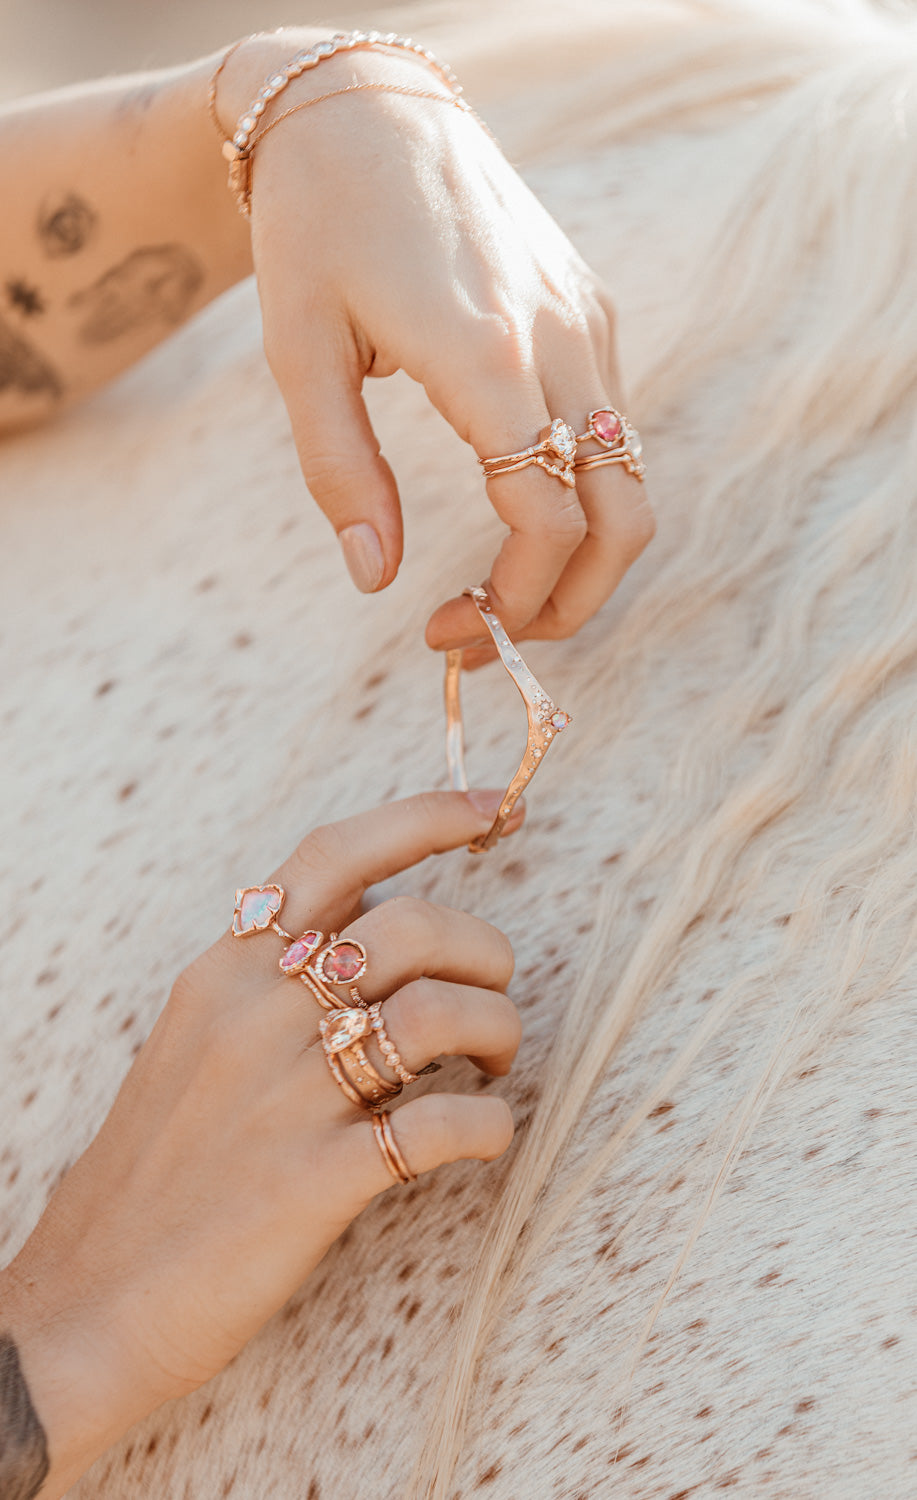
{"points": [[238, 149]]}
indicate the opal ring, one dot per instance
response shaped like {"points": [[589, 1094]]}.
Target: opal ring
{"points": [[545, 719], [257, 909], [555, 453], [309, 957], [618, 440]]}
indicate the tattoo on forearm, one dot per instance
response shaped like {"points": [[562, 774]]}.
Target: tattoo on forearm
{"points": [[24, 298], [156, 285], [24, 1460], [65, 225], [24, 370]]}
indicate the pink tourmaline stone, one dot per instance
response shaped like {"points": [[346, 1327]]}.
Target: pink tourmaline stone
{"points": [[257, 908], [342, 963], [607, 427], [560, 720], [300, 951]]}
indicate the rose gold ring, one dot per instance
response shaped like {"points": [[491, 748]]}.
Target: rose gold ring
{"points": [[342, 1034], [257, 909], [342, 961], [389, 1149], [554, 453], [545, 720], [387, 1046], [618, 439]]}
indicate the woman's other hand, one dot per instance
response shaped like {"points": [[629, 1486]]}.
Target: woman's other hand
{"points": [[231, 1160]]}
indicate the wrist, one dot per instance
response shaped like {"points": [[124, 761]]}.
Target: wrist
{"points": [[84, 1386], [254, 59]]}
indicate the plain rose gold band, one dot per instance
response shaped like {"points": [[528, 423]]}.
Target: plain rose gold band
{"points": [[390, 1150]]}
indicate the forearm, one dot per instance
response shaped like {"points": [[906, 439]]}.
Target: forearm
{"points": [[117, 223]]}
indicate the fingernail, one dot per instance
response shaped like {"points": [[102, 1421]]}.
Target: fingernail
{"points": [[363, 555], [488, 803]]}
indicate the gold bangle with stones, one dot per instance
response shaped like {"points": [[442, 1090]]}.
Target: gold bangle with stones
{"points": [[545, 719]]}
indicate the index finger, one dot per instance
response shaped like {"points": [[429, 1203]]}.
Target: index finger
{"points": [[546, 525], [330, 872]]}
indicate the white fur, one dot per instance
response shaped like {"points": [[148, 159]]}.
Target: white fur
{"points": [[190, 683]]}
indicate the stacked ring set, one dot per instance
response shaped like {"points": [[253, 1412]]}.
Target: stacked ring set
{"points": [[556, 452], [322, 966]]}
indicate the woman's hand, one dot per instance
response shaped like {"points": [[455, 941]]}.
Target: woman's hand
{"points": [[391, 233], [387, 233], [231, 1160]]}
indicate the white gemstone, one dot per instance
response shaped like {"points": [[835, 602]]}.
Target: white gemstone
{"points": [[257, 107], [634, 444], [324, 49], [341, 1038], [239, 139], [277, 82], [248, 123]]}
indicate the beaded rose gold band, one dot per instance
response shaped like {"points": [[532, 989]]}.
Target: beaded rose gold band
{"points": [[387, 1046], [555, 453], [390, 1150], [545, 719]]}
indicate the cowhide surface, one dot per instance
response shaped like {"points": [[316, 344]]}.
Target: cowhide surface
{"points": [[189, 683]]}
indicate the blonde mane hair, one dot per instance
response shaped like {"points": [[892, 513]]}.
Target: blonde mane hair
{"points": [[779, 414]]}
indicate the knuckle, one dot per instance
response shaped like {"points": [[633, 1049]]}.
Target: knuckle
{"points": [[406, 919], [558, 624], [330, 479], [418, 1016], [430, 807], [566, 525], [503, 346], [436, 1116], [322, 851]]}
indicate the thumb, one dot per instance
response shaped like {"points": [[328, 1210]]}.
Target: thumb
{"points": [[350, 481]]}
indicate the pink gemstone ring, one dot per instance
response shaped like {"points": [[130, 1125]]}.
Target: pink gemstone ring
{"points": [[342, 962], [295, 958], [618, 440]]}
